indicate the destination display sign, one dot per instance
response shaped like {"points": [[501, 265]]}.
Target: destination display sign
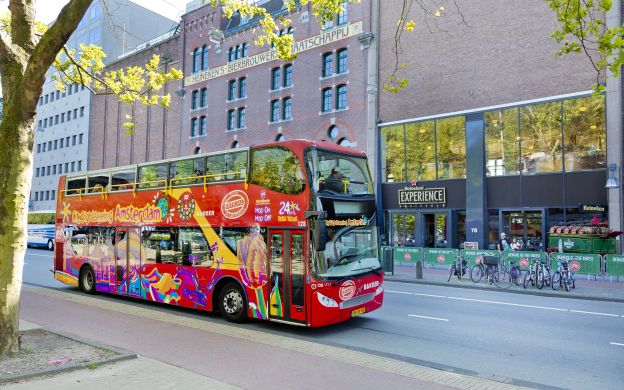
{"points": [[422, 197]]}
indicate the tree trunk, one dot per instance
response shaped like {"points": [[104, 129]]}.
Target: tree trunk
{"points": [[17, 134]]}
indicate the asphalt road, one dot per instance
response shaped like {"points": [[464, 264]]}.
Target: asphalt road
{"points": [[531, 340]]}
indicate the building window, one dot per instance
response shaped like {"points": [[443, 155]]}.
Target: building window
{"points": [[55, 144], [69, 89], [47, 195], [67, 141], [242, 118], [44, 147], [287, 75], [66, 168], [40, 100], [37, 172], [343, 16], [54, 169], [73, 166], [48, 170], [275, 78], [328, 58], [197, 150], [73, 140], [45, 122], [204, 57], [75, 113], [341, 97], [80, 138], [287, 108], [242, 87], [81, 111], [39, 123], [68, 115], [60, 168], [36, 196], [231, 89], [584, 133], [194, 99], [230, 120], [341, 64], [56, 119], [46, 98], [49, 146], [203, 101], [38, 148], [235, 145], [279, 138], [327, 100], [196, 60], [245, 49], [239, 52], [231, 54], [58, 95], [202, 125], [275, 111], [345, 143], [53, 194], [193, 127]]}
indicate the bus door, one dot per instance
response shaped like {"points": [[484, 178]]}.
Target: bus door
{"points": [[128, 260], [287, 275]]}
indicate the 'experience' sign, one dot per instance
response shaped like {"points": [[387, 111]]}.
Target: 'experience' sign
{"points": [[419, 196]]}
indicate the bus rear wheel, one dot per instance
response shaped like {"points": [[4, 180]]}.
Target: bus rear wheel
{"points": [[87, 280], [232, 303], [50, 245]]}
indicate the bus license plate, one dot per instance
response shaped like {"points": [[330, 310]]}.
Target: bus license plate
{"points": [[357, 312]]}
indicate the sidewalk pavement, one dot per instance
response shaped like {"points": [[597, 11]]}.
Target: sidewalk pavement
{"points": [[598, 289], [139, 372]]}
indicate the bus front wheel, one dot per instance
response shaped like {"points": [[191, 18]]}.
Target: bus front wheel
{"points": [[87, 280], [232, 303]]}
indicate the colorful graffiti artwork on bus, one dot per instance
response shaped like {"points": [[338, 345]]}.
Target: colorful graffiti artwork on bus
{"points": [[276, 299], [251, 255], [162, 288]]}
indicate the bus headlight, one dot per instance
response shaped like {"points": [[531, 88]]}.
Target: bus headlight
{"points": [[326, 301], [379, 290]]}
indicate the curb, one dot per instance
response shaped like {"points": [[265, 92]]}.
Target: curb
{"points": [[476, 286], [122, 355]]}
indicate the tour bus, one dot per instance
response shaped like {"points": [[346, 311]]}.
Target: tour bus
{"points": [[40, 236], [284, 232]]}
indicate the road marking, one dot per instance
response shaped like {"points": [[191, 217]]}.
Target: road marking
{"points": [[34, 254], [618, 344], [428, 318], [509, 304], [595, 313]]}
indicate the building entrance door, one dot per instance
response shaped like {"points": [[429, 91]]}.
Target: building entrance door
{"points": [[526, 226], [435, 230]]}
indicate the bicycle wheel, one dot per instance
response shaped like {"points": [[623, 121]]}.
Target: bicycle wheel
{"points": [[539, 279], [476, 273], [451, 272], [566, 283], [518, 276], [547, 277], [526, 278], [502, 279], [556, 281]]}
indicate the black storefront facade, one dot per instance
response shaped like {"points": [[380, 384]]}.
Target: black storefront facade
{"points": [[518, 168]]}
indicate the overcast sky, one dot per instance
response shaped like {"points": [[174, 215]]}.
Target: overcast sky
{"points": [[47, 10]]}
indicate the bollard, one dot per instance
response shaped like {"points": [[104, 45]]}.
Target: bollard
{"points": [[419, 266]]}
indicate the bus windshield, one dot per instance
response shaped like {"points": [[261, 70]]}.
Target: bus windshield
{"points": [[350, 250], [338, 173]]}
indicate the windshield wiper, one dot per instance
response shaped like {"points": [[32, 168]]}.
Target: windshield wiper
{"points": [[373, 269]]}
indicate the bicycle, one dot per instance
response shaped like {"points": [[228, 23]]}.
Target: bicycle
{"points": [[458, 270], [563, 276], [531, 274], [516, 273], [487, 266], [543, 274]]}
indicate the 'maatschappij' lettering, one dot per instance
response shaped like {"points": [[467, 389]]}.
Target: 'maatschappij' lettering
{"points": [[130, 214], [325, 38]]}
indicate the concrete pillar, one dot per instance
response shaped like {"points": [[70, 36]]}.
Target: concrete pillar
{"points": [[614, 133], [372, 89], [476, 188]]}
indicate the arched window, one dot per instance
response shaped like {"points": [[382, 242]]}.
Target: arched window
{"points": [[245, 49], [235, 145], [196, 60], [280, 138], [341, 97], [204, 57], [197, 150], [344, 142]]}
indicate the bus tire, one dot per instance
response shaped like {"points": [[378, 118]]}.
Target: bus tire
{"points": [[232, 303], [50, 245], [86, 280]]}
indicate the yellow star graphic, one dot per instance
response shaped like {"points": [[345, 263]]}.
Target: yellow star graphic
{"points": [[66, 213]]}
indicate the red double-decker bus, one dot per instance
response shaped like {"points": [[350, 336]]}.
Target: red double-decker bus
{"points": [[284, 232]]}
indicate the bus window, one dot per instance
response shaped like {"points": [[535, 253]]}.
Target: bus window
{"points": [[79, 242], [215, 168], [160, 245], [194, 247], [98, 183], [180, 170], [123, 180], [151, 176], [100, 241], [277, 169], [76, 186], [236, 165]]}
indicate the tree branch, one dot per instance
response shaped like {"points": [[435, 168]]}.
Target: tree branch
{"points": [[7, 53], [22, 23], [52, 42]]}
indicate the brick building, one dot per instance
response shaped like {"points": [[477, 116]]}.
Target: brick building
{"points": [[238, 94], [157, 130]]}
